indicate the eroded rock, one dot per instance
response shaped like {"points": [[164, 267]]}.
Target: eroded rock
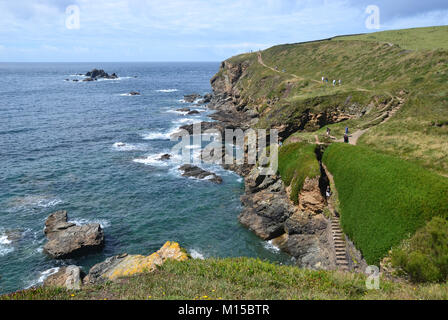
{"points": [[67, 277], [128, 265], [67, 240]]}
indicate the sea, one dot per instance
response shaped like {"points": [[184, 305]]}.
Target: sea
{"points": [[93, 150]]}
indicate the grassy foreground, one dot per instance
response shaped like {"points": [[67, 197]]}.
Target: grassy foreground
{"points": [[239, 278], [383, 199]]}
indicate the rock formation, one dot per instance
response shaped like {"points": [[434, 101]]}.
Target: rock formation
{"points": [[67, 240], [198, 173], [128, 265], [67, 277]]}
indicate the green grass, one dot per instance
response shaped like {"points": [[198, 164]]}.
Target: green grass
{"points": [[410, 39], [383, 199], [237, 278], [371, 70], [424, 257], [297, 161]]}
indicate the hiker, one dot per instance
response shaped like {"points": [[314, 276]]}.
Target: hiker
{"points": [[328, 192], [340, 82], [346, 138], [328, 131], [346, 130], [323, 79], [334, 83]]}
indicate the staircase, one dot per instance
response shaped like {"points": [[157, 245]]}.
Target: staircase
{"points": [[339, 244]]}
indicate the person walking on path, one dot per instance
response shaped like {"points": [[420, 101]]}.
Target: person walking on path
{"points": [[334, 83], [328, 131], [346, 130], [346, 138]]}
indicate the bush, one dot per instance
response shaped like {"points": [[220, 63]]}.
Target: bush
{"points": [[297, 161], [383, 199], [424, 257]]}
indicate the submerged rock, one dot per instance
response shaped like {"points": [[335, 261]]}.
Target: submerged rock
{"points": [[134, 93], [67, 277], [198, 173], [190, 98], [67, 240], [128, 265]]}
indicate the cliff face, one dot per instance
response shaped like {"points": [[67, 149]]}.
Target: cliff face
{"points": [[302, 231]]}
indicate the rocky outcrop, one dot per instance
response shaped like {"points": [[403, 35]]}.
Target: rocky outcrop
{"points": [[134, 93], [96, 74], [128, 265], [67, 240], [310, 198], [165, 157], [67, 277], [198, 173], [190, 98]]}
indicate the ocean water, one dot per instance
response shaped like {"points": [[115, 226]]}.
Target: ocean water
{"points": [[60, 150]]}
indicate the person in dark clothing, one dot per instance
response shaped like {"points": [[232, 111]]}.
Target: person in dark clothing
{"points": [[346, 138]]}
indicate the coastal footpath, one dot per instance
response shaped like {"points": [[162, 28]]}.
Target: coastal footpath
{"points": [[388, 188]]}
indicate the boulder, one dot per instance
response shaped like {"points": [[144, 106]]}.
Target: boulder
{"points": [[67, 240], [184, 110], [134, 93], [165, 157], [198, 173], [67, 277], [128, 265], [190, 98], [192, 112]]}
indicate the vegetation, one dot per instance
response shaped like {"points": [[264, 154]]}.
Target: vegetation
{"points": [[411, 39], [424, 257], [373, 68], [383, 199], [297, 161], [238, 278]]}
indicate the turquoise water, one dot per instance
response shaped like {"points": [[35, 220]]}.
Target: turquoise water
{"points": [[59, 152]]}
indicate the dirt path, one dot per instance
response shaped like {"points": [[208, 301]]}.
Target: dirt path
{"points": [[385, 116]]}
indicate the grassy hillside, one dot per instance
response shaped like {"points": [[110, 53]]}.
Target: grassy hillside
{"points": [[240, 278], [383, 199], [297, 161], [287, 88], [410, 39]]}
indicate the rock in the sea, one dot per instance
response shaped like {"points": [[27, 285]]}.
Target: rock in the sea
{"points": [[67, 277], [198, 173], [184, 110], [165, 157], [100, 73], [134, 93], [67, 240], [191, 97], [192, 112], [128, 265]]}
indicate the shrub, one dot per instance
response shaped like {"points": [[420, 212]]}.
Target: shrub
{"points": [[297, 161], [424, 257], [383, 199]]}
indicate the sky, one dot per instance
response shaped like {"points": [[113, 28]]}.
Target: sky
{"points": [[189, 30]]}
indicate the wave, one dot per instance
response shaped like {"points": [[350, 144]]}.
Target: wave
{"points": [[157, 135], [129, 95], [271, 247], [195, 254], [120, 146], [155, 160], [82, 221], [33, 202], [167, 90], [187, 121], [42, 276], [5, 247]]}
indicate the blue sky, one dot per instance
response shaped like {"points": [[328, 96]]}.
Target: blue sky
{"points": [[190, 30]]}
